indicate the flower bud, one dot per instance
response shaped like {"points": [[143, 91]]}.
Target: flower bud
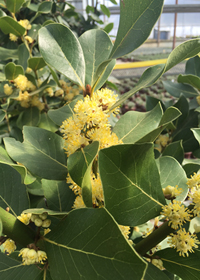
{"points": [[33, 217], [38, 222], [46, 223], [43, 216]]}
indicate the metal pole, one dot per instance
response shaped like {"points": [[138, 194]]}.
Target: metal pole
{"points": [[158, 38], [175, 23]]}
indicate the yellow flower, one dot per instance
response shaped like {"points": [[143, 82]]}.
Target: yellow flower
{"points": [[28, 70], [25, 218], [49, 91], [172, 192], [8, 90], [30, 256], [13, 37], [37, 103], [9, 246], [126, 231], [25, 23], [59, 92], [176, 213], [194, 182], [21, 82], [29, 39], [158, 263], [79, 203], [184, 242], [198, 99], [195, 197], [30, 86], [162, 140]]}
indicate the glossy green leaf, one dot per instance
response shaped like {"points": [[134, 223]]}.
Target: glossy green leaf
{"points": [[1, 227], [5, 159], [136, 22], [23, 56], [176, 89], [193, 66], [133, 126], [2, 13], [184, 133], [8, 53], [79, 165], [183, 106], [172, 173], [41, 152], [105, 10], [9, 25], [185, 50], [44, 7], [14, 5], [191, 166], [35, 188], [185, 267], [63, 113], [151, 75], [2, 115], [44, 210], [13, 269], [196, 132], [33, 32], [190, 79], [61, 50], [29, 117], [108, 27], [91, 246], [175, 150], [59, 197], [36, 63], [12, 71], [131, 183], [154, 273], [96, 45], [13, 193], [102, 74], [47, 123]]}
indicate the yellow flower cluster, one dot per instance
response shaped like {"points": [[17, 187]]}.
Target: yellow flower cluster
{"points": [[25, 218], [171, 192], [31, 256], [158, 263], [90, 122], [161, 142], [41, 220], [9, 246], [26, 24], [184, 242], [25, 86], [126, 232], [68, 91]]}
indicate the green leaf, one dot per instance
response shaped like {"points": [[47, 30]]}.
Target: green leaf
{"points": [[14, 5], [191, 166], [196, 132], [9, 25], [35, 188], [62, 51], [131, 183], [63, 113], [184, 133], [79, 165], [36, 63], [2, 115], [13, 193], [39, 211], [193, 66], [29, 117], [2, 13], [12, 269], [96, 45], [136, 22], [187, 268], [190, 79], [8, 53], [59, 197], [23, 56], [102, 74], [100, 252], [5, 159], [108, 27], [33, 32], [172, 173], [183, 106], [95, 17], [47, 123], [44, 7], [175, 150], [114, 2], [154, 273], [41, 152], [133, 126], [89, 9], [1, 227], [151, 75], [12, 71], [176, 89], [105, 10]]}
